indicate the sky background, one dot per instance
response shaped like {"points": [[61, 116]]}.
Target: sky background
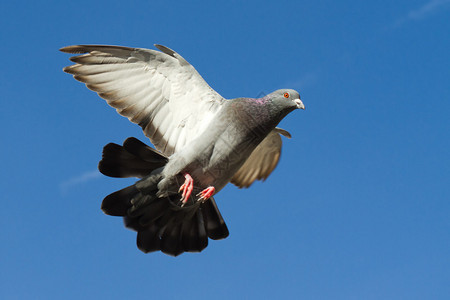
{"points": [[358, 207]]}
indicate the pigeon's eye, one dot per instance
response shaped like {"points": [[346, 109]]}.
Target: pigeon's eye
{"points": [[286, 95]]}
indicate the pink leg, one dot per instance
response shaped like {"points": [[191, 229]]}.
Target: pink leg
{"points": [[206, 193], [187, 188]]}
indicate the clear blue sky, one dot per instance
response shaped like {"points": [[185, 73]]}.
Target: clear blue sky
{"points": [[358, 207]]}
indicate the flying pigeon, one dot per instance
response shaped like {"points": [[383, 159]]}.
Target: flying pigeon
{"points": [[203, 141]]}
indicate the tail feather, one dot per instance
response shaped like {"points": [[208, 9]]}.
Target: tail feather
{"points": [[153, 212], [160, 222], [194, 237], [171, 239], [189, 234], [118, 203], [133, 159], [148, 240], [214, 223], [144, 152]]}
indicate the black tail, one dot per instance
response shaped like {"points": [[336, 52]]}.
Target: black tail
{"points": [[161, 223], [133, 159]]}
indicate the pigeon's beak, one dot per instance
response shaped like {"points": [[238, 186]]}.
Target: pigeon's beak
{"points": [[299, 103]]}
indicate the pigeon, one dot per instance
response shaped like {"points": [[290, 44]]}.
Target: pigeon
{"points": [[201, 140]]}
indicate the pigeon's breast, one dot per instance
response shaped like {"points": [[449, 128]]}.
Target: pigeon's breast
{"points": [[219, 153], [216, 154]]}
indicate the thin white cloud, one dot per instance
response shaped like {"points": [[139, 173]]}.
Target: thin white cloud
{"points": [[303, 81], [83, 178], [424, 11]]}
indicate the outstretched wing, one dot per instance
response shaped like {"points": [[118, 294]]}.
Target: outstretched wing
{"points": [[262, 161], [160, 91]]}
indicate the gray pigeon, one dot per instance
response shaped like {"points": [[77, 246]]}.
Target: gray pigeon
{"points": [[202, 142]]}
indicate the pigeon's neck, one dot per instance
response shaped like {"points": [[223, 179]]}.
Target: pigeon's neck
{"points": [[259, 115]]}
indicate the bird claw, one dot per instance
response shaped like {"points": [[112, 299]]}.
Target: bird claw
{"points": [[206, 194], [187, 188]]}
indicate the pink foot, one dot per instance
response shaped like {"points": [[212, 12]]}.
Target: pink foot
{"points": [[206, 193], [187, 188]]}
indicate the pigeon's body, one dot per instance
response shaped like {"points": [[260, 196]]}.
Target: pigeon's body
{"points": [[205, 142], [240, 126]]}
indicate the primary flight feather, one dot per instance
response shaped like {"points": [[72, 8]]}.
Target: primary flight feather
{"points": [[202, 142]]}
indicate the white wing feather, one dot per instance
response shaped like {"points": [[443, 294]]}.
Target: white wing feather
{"points": [[160, 91]]}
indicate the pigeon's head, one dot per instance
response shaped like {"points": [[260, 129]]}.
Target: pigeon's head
{"points": [[287, 98]]}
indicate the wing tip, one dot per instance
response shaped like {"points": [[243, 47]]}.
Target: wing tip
{"points": [[165, 50], [80, 49], [74, 49], [283, 132]]}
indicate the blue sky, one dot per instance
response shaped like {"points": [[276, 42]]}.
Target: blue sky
{"points": [[358, 207]]}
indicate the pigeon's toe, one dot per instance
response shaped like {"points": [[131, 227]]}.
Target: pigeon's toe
{"points": [[187, 188], [206, 193]]}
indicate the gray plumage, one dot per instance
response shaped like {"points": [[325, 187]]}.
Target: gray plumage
{"points": [[195, 131]]}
